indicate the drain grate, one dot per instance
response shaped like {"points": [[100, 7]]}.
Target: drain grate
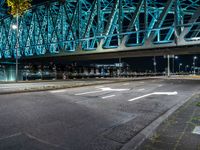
{"points": [[196, 130]]}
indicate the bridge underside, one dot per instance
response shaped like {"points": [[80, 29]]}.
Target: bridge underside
{"points": [[99, 29], [189, 50]]}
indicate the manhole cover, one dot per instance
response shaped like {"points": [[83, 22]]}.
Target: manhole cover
{"points": [[196, 130]]}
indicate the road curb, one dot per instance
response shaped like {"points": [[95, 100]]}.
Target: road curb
{"points": [[49, 88], [148, 131]]}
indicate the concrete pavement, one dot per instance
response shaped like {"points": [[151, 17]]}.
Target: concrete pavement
{"points": [[99, 117], [180, 131]]}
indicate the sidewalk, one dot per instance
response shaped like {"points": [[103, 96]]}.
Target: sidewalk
{"points": [[34, 86], [186, 77], [176, 133]]}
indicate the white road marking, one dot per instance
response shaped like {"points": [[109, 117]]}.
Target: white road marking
{"points": [[140, 97], [2, 87], [99, 86], [10, 136], [41, 141], [58, 91], [196, 130], [102, 90], [141, 90], [109, 89], [155, 93], [108, 96], [160, 85], [141, 82], [88, 92], [126, 84]]}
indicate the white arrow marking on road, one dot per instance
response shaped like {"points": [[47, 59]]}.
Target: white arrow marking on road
{"points": [[155, 93], [102, 90]]}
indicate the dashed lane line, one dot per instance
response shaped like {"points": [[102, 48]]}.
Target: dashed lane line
{"points": [[91, 92], [109, 96], [141, 90]]}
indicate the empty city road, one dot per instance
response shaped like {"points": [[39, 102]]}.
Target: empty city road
{"points": [[102, 117]]}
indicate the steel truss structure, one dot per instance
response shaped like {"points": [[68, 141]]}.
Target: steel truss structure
{"points": [[71, 27], [2, 8]]}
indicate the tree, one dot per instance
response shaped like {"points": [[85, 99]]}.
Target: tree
{"points": [[18, 7]]}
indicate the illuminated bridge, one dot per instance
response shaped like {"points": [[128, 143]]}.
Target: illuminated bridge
{"points": [[109, 27]]}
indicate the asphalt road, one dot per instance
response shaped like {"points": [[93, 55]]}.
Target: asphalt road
{"points": [[87, 118]]}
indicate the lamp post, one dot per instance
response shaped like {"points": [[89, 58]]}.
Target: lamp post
{"points": [[194, 63], [186, 68], [15, 27], [180, 67], [154, 64]]}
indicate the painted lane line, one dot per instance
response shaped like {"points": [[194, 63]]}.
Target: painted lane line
{"points": [[58, 91], [99, 86], [41, 141], [109, 96], [126, 84], [160, 85], [11, 136], [141, 90], [166, 93], [110, 89], [140, 97], [85, 93], [142, 82], [155, 93]]}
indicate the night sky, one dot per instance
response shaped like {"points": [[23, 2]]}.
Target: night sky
{"points": [[143, 64]]}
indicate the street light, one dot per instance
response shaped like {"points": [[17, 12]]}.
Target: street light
{"points": [[180, 67], [194, 63], [14, 27]]}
